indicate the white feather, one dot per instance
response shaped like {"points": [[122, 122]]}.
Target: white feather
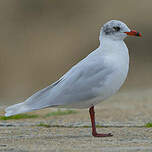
{"points": [[92, 80]]}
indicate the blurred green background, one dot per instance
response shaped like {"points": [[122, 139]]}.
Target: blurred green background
{"points": [[41, 39]]}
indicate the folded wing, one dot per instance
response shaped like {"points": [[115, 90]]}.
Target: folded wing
{"points": [[79, 84]]}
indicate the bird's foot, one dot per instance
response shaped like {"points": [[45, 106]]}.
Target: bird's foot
{"points": [[102, 135]]}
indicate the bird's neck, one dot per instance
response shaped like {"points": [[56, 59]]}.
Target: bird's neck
{"points": [[108, 44], [104, 40]]}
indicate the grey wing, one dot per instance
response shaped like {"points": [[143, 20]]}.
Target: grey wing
{"points": [[79, 84]]}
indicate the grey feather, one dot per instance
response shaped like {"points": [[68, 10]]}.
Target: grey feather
{"points": [[77, 85]]}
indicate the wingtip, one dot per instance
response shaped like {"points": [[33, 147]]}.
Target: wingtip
{"points": [[7, 114]]}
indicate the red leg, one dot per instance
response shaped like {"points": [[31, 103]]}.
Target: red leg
{"points": [[92, 117]]}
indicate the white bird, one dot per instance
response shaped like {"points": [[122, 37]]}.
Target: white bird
{"points": [[92, 80]]}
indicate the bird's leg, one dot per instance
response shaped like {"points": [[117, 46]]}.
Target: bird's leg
{"points": [[92, 117]]}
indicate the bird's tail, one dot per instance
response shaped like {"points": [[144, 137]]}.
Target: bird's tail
{"points": [[17, 108], [39, 100]]}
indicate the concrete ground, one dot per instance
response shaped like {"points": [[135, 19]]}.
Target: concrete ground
{"points": [[124, 115]]}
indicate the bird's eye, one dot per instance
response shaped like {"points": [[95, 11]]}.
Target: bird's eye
{"points": [[117, 28]]}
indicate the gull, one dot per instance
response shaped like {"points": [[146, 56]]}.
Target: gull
{"points": [[90, 81]]}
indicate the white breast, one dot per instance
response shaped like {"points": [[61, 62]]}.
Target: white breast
{"points": [[118, 59]]}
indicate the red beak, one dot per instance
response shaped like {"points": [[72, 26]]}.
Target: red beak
{"points": [[133, 33]]}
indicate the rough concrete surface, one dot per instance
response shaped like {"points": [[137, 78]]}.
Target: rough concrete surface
{"points": [[124, 115]]}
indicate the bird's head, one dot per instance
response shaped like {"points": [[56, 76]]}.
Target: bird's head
{"points": [[117, 30]]}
